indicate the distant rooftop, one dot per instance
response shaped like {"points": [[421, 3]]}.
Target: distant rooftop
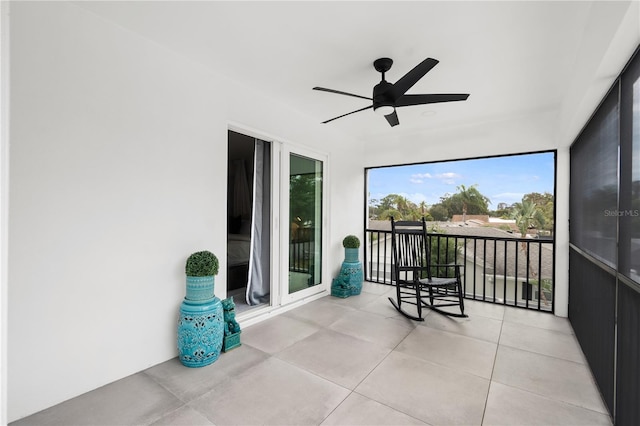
{"points": [[470, 227]]}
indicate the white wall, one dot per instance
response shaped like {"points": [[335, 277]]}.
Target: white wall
{"points": [[117, 173], [4, 204]]}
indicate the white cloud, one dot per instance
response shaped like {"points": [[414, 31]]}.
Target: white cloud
{"points": [[448, 178], [419, 177], [423, 175], [448, 175]]}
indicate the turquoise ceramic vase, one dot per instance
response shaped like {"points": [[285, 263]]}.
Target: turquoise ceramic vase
{"points": [[201, 324], [351, 272]]}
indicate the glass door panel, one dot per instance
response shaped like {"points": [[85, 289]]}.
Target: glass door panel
{"points": [[305, 219]]}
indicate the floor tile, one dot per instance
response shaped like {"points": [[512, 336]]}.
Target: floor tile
{"points": [[426, 391], [510, 406], [338, 357], [551, 377], [360, 410], [136, 399], [538, 319], [375, 288], [321, 312], [484, 309], [277, 392], [277, 333], [387, 332], [383, 307], [451, 350], [189, 383], [356, 302], [478, 327], [184, 416], [543, 341]]}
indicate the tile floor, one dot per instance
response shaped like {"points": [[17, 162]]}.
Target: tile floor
{"points": [[356, 361]]}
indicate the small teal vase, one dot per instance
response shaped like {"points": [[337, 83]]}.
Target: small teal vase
{"points": [[351, 272], [200, 324], [200, 288]]}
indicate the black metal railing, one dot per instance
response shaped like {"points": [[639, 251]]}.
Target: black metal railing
{"points": [[301, 249], [510, 271]]}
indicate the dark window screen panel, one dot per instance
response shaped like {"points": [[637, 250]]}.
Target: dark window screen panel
{"points": [[592, 302], [629, 216], [628, 354], [594, 184]]}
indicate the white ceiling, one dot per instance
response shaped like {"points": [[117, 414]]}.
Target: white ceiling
{"points": [[515, 58]]}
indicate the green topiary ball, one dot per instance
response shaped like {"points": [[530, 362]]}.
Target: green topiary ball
{"points": [[351, 241], [202, 264]]}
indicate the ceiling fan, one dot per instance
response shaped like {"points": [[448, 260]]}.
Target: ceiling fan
{"points": [[387, 97]]}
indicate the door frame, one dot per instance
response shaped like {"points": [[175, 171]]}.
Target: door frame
{"points": [[280, 297]]}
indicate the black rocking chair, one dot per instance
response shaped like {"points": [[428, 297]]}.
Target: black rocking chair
{"points": [[413, 273]]}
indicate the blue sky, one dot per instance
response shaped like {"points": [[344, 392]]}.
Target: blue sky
{"points": [[501, 179]]}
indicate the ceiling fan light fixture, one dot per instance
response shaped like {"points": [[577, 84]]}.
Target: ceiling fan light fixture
{"points": [[384, 109]]}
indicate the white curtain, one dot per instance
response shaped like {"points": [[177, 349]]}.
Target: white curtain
{"points": [[258, 285]]}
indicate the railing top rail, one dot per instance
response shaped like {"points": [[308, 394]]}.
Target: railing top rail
{"points": [[477, 237]]}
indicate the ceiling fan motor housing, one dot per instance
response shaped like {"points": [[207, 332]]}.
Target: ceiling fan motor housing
{"points": [[382, 95]]}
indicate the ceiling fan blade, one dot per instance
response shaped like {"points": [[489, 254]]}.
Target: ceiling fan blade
{"points": [[322, 89], [407, 100], [392, 119], [349, 113], [409, 79]]}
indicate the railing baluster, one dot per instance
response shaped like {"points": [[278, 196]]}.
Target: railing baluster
{"points": [[527, 285], [464, 260], [515, 287], [540, 287], [504, 291], [378, 257], [384, 263], [484, 270], [475, 262], [495, 259]]}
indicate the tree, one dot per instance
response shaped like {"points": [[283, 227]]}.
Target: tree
{"points": [[389, 213], [527, 215], [397, 206], [466, 200], [502, 212], [423, 207], [544, 203], [439, 212], [443, 251], [302, 195]]}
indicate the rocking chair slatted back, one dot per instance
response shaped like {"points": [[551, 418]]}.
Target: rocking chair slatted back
{"points": [[411, 249]]}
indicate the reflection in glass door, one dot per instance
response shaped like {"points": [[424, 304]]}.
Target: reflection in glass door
{"points": [[305, 219]]}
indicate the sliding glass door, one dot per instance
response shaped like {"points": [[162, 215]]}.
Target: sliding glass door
{"points": [[305, 225]]}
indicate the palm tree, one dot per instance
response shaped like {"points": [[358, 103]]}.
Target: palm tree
{"points": [[468, 200], [527, 215], [423, 207]]}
